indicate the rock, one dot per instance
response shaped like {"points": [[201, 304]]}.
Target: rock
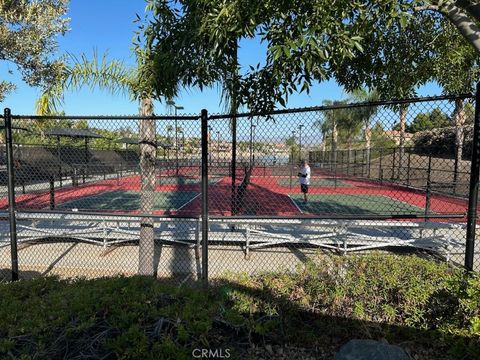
{"points": [[370, 350]]}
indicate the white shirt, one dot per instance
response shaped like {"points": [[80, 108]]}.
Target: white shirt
{"points": [[305, 170]]}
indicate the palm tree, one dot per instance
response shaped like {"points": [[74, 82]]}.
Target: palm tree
{"points": [[349, 122], [169, 129], [330, 123], [180, 131], [365, 114], [114, 77], [324, 129], [148, 155]]}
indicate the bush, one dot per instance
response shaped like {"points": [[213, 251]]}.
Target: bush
{"points": [[326, 302], [441, 142]]}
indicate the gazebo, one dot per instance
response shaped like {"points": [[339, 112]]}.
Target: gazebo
{"points": [[85, 134]]}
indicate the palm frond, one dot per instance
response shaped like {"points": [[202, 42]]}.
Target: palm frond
{"points": [[78, 72]]}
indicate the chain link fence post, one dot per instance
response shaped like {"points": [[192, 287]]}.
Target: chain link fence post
{"points": [[11, 193], [380, 170], [408, 165], [473, 189], [428, 192], [392, 177], [205, 197]]}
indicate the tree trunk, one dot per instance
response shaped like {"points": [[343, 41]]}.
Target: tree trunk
{"points": [[403, 125], [148, 150], [233, 94], [349, 147], [334, 144], [459, 119], [368, 139]]}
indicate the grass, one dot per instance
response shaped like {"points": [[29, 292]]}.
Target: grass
{"points": [[360, 204], [427, 308]]}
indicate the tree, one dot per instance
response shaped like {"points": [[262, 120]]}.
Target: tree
{"points": [[365, 114], [114, 77], [196, 41], [428, 121], [457, 71], [349, 123], [463, 14], [169, 129], [180, 50], [28, 39], [294, 152], [332, 121], [181, 132], [380, 139], [306, 41]]}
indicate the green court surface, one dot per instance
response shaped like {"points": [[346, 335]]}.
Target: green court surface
{"points": [[129, 200], [342, 204], [173, 180], [315, 182]]}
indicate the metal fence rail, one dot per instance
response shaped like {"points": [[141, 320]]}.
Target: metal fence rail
{"points": [[193, 197]]}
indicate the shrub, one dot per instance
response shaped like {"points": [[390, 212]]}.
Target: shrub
{"points": [[440, 142], [326, 302]]}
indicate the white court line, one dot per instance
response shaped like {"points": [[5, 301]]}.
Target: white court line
{"points": [[295, 203], [402, 201], [77, 200], [200, 193], [189, 201]]}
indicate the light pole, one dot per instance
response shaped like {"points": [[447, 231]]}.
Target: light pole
{"points": [[209, 141], [218, 145], [252, 156], [300, 141], [253, 145], [293, 145], [172, 103], [292, 156]]}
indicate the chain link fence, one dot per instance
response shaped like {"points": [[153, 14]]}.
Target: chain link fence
{"points": [[101, 196]]}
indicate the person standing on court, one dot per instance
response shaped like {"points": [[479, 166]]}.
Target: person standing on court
{"points": [[304, 176]]}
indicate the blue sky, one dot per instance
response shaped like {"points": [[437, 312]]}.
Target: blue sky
{"points": [[107, 26]]}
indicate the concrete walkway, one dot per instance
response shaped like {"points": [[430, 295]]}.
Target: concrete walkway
{"points": [[73, 259]]}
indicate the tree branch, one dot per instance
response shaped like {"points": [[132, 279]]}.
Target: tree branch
{"points": [[468, 28], [465, 25], [472, 8], [427, 7]]}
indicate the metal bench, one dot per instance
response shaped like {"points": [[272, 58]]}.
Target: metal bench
{"points": [[343, 235]]}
